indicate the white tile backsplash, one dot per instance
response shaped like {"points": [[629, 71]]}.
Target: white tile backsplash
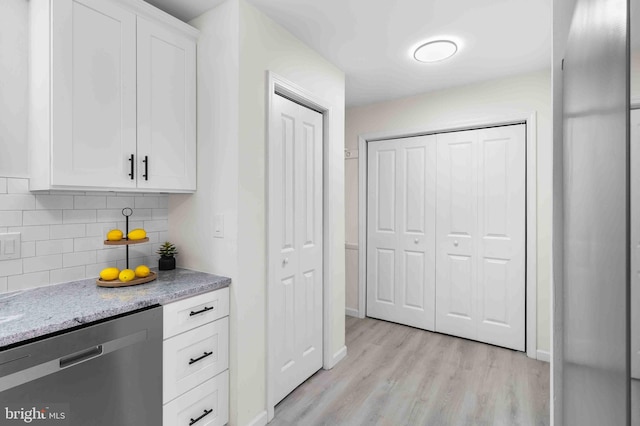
{"points": [[146, 202], [41, 263], [44, 248], [28, 249], [10, 267], [21, 282], [11, 218], [18, 186], [18, 202], [42, 217], [89, 202], [68, 231], [32, 233], [63, 232], [53, 202], [100, 229], [79, 216], [88, 243], [120, 202], [79, 258], [67, 274]]}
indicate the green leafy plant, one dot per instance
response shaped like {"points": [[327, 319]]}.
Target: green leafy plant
{"points": [[167, 250]]}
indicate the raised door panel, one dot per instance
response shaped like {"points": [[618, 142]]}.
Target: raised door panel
{"points": [[401, 227], [501, 249], [382, 223], [166, 77], [93, 95], [456, 239]]}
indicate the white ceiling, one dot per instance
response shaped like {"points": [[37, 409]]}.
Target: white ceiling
{"points": [[372, 40]]}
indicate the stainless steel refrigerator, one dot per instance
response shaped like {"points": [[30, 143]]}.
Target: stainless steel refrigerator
{"points": [[593, 221]]}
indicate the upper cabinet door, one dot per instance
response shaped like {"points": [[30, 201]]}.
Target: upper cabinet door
{"points": [[93, 94], [166, 108]]}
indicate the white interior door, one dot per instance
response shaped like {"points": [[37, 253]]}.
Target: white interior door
{"points": [[480, 267], [295, 244], [635, 244], [456, 234], [401, 231]]}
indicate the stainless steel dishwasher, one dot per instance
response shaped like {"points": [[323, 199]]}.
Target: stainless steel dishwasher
{"points": [[107, 373]]}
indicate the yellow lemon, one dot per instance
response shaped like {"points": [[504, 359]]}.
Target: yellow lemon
{"points": [[126, 275], [114, 235], [137, 234], [142, 271], [109, 274]]}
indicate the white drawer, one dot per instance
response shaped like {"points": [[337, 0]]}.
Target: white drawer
{"points": [[195, 311], [191, 358], [209, 401]]}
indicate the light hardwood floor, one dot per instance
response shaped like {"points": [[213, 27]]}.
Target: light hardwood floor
{"points": [[398, 375]]}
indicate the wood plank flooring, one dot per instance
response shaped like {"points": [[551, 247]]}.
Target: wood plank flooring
{"points": [[399, 375]]}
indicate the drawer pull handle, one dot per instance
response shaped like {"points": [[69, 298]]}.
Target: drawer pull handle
{"points": [[206, 413], [206, 354], [201, 311]]}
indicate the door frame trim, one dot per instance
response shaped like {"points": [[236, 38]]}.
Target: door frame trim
{"points": [[531, 291], [278, 85]]}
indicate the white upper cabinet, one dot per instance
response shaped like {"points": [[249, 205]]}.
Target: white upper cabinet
{"points": [[113, 102], [166, 108]]}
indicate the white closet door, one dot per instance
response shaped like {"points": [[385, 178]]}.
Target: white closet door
{"points": [[295, 244], [480, 284], [401, 227], [501, 233], [635, 244], [457, 234]]}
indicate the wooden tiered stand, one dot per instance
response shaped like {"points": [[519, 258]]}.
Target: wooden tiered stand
{"points": [[126, 212]]}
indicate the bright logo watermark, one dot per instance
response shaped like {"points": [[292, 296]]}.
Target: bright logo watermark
{"points": [[38, 414]]}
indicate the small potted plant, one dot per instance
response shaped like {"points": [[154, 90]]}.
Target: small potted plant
{"points": [[167, 252]]}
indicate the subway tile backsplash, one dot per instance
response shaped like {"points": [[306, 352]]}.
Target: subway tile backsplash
{"points": [[62, 232]]}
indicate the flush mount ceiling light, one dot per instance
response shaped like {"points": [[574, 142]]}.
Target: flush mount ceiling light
{"points": [[435, 51]]}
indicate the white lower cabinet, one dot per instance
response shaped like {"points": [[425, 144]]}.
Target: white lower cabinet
{"points": [[196, 360], [204, 405]]}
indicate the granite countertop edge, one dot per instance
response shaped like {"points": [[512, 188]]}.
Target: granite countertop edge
{"points": [[96, 303]]}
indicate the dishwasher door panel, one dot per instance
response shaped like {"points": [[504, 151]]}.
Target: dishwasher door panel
{"points": [[105, 374]]}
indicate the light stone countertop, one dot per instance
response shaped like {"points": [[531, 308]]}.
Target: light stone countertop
{"points": [[37, 312]]}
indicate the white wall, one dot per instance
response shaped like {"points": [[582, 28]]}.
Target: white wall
{"points": [[477, 102], [14, 83], [237, 46]]}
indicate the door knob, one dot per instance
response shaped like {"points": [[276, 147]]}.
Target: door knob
{"points": [[455, 243], [416, 241], [285, 261]]}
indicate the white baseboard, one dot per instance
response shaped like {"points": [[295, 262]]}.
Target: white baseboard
{"points": [[543, 356], [259, 420], [350, 312], [337, 357]]}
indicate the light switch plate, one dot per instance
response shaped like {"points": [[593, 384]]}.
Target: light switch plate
{"points": [[10, 245], [218, 226]]}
